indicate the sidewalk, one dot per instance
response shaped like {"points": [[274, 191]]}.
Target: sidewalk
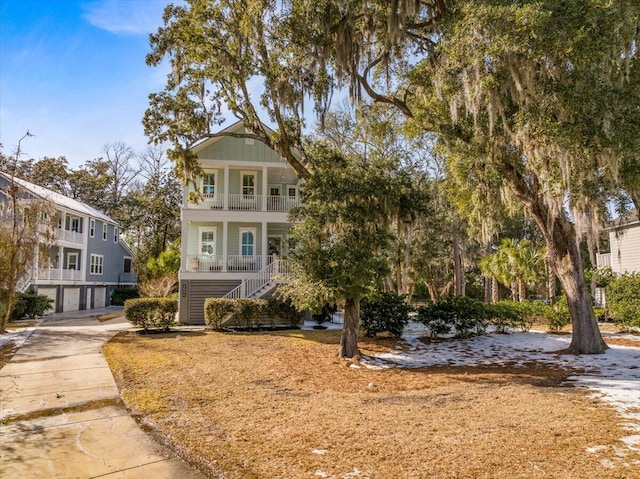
{"points": [[60, 412]]}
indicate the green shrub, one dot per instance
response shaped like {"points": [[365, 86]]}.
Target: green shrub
{"points": [[120, 295], [216, 310], [384, 312], [464, 315], [437, 317], [506, 314], [151, 313], [29, 305], [623, 299], [558, 314], [248, 311], [276, 308]]}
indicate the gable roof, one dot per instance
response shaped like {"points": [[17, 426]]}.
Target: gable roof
{"points": [[59, 199], [629, 218]]}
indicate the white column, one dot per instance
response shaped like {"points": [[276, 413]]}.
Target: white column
{"points": [[185, 244], [224, 240], [60, 260], [264, 244], [226, 188], [265, 186]]}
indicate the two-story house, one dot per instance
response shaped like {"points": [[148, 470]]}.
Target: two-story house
{"points": [[624, 256], [85, 261], [234, 239]]}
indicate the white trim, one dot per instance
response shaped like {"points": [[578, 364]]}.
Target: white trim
{"points": [[243, 174], [96, 264], [92, 228], [72, 254], [203, 229], [213, 173], [252, 230], [295, 187], [116, 235], [104, 231]]}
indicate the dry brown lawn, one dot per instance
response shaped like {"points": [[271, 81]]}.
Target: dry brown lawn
{"points": [[281, 405]]}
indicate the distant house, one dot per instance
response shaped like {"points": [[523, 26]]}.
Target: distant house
{"points": [[624, 238], [87, 260], [233, 239]]}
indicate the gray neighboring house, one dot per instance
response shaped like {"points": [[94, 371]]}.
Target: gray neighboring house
{"points": [[87, 259]]}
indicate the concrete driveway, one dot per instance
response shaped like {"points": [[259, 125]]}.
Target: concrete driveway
{"points": [[61, 415]]}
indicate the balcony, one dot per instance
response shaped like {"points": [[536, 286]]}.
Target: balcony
{"points": [[224, 264], [71, 236], [603, 260], [246, 203], [59, 274]]}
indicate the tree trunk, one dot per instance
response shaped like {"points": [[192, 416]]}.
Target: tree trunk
{"points": [[433, 292], [457, 267], [349, 338], [586, 337], [564, 258], [551, 282], [495, 290], [522, 289], [407, 261]]}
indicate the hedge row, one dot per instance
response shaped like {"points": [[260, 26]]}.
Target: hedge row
{"points": [[28, 305], [249, 313], [623, 299], [151, 313], [460, 316]]}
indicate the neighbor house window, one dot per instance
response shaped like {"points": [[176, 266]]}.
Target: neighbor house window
{"points": [[74, 224], [97, 260], [127, 265], [104, 231], [248, 183], [72, 261], [116, 234], [207, 241], [209, 184], [247, 242], [92, 227]]}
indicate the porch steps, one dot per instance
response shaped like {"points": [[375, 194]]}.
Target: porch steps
{"points": [[262, 282]]}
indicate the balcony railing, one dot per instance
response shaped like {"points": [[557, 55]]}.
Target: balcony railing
{"points": [[230, 263], [72, 236], [60, 274], [246, 203]]}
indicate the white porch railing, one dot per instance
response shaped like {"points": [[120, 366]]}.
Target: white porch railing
{"points": [[274, 271], [246, 202], [60, 274], [231, 263], [72, 236]]}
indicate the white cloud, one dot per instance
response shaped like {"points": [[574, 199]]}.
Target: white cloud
{"points": [[125, 17]]}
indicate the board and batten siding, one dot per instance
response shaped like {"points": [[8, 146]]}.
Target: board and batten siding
{"points": [[232, 149], [195, 292], [625, 249]]}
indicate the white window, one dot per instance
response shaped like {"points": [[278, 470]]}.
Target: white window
{"points": [[116, 234], [247, 241], [274, 190], [248, 183], [104, 231], [207, 240], [74, 224], [209, 184], [92, 227], [292, 191], [72, 261], [97, 260]]}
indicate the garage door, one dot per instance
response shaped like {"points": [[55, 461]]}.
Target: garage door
{"points": [[71, 300], [100, 297], [51, 294]]}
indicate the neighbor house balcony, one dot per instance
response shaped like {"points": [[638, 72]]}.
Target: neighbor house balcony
{"points": [[71, 236], [235, 202], [59, 274], [229, 263]]}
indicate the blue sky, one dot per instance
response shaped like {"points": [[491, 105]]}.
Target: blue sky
{"points": [[73, 73]]}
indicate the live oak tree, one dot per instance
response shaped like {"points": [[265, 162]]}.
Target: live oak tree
{"points": [[534, 103], [341, 237]]}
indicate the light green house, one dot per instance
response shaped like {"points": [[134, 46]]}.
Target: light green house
{"points": [[233, 241]]}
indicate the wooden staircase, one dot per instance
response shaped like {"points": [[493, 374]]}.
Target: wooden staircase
{"points": [[262, 282]]}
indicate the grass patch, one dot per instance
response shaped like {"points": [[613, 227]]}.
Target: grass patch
{"points": [[282, 405]]}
